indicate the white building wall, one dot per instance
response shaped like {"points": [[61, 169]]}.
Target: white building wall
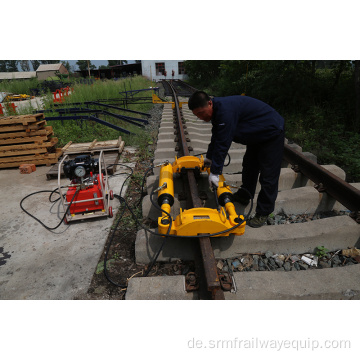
{"points": [[149, 69]]}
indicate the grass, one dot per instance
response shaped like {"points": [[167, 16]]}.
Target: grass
{"points": [[19, 86], [79, 131], [86, 130]]}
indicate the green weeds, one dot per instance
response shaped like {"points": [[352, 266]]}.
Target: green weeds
{"points": [[330, 140], [321, 251], [87, 130]]}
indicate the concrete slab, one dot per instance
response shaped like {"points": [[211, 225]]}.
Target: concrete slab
{"points": [[305, 200], [333, 233], [28, 105], [162, 152], [288, 180], [342, 283], [44, 264], [235, 165], [159, 288]]}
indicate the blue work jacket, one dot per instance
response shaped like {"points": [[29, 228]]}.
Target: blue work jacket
{"points": [[241, 119]]}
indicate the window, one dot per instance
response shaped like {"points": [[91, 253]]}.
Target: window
{"points": [[160, 68], [181, 68]]}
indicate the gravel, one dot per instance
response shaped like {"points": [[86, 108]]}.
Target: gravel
{"points": [[285, 262], [281, 219]]}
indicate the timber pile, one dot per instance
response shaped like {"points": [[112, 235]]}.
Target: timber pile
{"points": [[27, 139]]}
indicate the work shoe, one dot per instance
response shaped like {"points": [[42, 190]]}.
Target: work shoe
{"points": [[257, 221], [242, 197]]}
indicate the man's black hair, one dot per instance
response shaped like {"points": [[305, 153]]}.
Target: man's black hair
{"points": [[198, 99]]}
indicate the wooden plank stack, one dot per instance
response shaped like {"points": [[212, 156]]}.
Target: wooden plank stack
{"points": [[27, 139]]}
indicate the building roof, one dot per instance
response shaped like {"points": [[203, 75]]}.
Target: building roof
{"points": [[49, 67], [17, 75]]}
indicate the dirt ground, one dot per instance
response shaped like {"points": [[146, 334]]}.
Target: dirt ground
{"points": [[121, 265]]}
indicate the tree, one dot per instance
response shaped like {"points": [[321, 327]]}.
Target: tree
{"points": [[24, 64], [67, 65], [357, 94], [202, 71], [3, 65], [116, 62], [35, 64], [49, 61], [12, 66], [83, 65]]}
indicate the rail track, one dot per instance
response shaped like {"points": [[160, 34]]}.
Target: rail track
{"points": [[304, 188]]}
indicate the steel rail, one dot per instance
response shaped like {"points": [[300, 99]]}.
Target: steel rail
{"points": [[187, 85], [185, 89], [119, 108], [207, 253], [88, 117], [339, 189]]}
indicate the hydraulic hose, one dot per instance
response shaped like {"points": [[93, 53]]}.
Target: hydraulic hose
{"points": [[52, 192]]}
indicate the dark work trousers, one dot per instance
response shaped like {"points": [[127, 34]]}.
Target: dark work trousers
{"points": [[264, 159]]}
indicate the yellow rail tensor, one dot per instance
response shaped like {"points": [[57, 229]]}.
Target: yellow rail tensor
{"points": [[200, 220], [157, 100]]}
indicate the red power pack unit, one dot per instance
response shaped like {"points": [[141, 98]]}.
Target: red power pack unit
{"points": [[88, 193], [86, 199]]}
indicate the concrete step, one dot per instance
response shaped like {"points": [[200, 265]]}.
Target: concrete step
{"points": [[161, 152], [234, 166], [342, 283], [334, 233], [295, 201], [288, 180], [159, 288]]}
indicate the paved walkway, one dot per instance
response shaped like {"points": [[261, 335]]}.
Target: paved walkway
{"points": [[34, 262]]}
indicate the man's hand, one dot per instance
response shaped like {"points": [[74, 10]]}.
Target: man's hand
{"points": [[213, 180], [207, 162]]}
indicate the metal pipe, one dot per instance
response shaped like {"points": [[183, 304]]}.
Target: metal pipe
{"points": [[80, 117], [122, 118], [117, 108]]}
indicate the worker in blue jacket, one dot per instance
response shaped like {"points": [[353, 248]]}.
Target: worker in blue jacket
{"points": [[251, 122]]}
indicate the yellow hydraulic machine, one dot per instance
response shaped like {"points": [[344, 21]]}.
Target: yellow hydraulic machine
{"points": [[199, 220], [157, 100]]}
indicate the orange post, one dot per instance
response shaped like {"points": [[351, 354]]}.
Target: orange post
{"points": [[11, 108], [57, 99]]}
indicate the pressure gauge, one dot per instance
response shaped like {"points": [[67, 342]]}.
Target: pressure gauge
{"points": [[80, 171]]}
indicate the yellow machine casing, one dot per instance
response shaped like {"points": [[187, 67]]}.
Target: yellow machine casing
{"points": [[192, 222]]}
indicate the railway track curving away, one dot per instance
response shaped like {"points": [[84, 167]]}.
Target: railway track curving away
{"points": [[230, 267]]}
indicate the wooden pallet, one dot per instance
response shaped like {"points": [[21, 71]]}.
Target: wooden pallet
{"points": [[32, 148], [27, 139], [94, 146], [47, 130], [111, 154], [32, 140], [109, 157], [21, 119], [16, 127], [37, 159]]}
